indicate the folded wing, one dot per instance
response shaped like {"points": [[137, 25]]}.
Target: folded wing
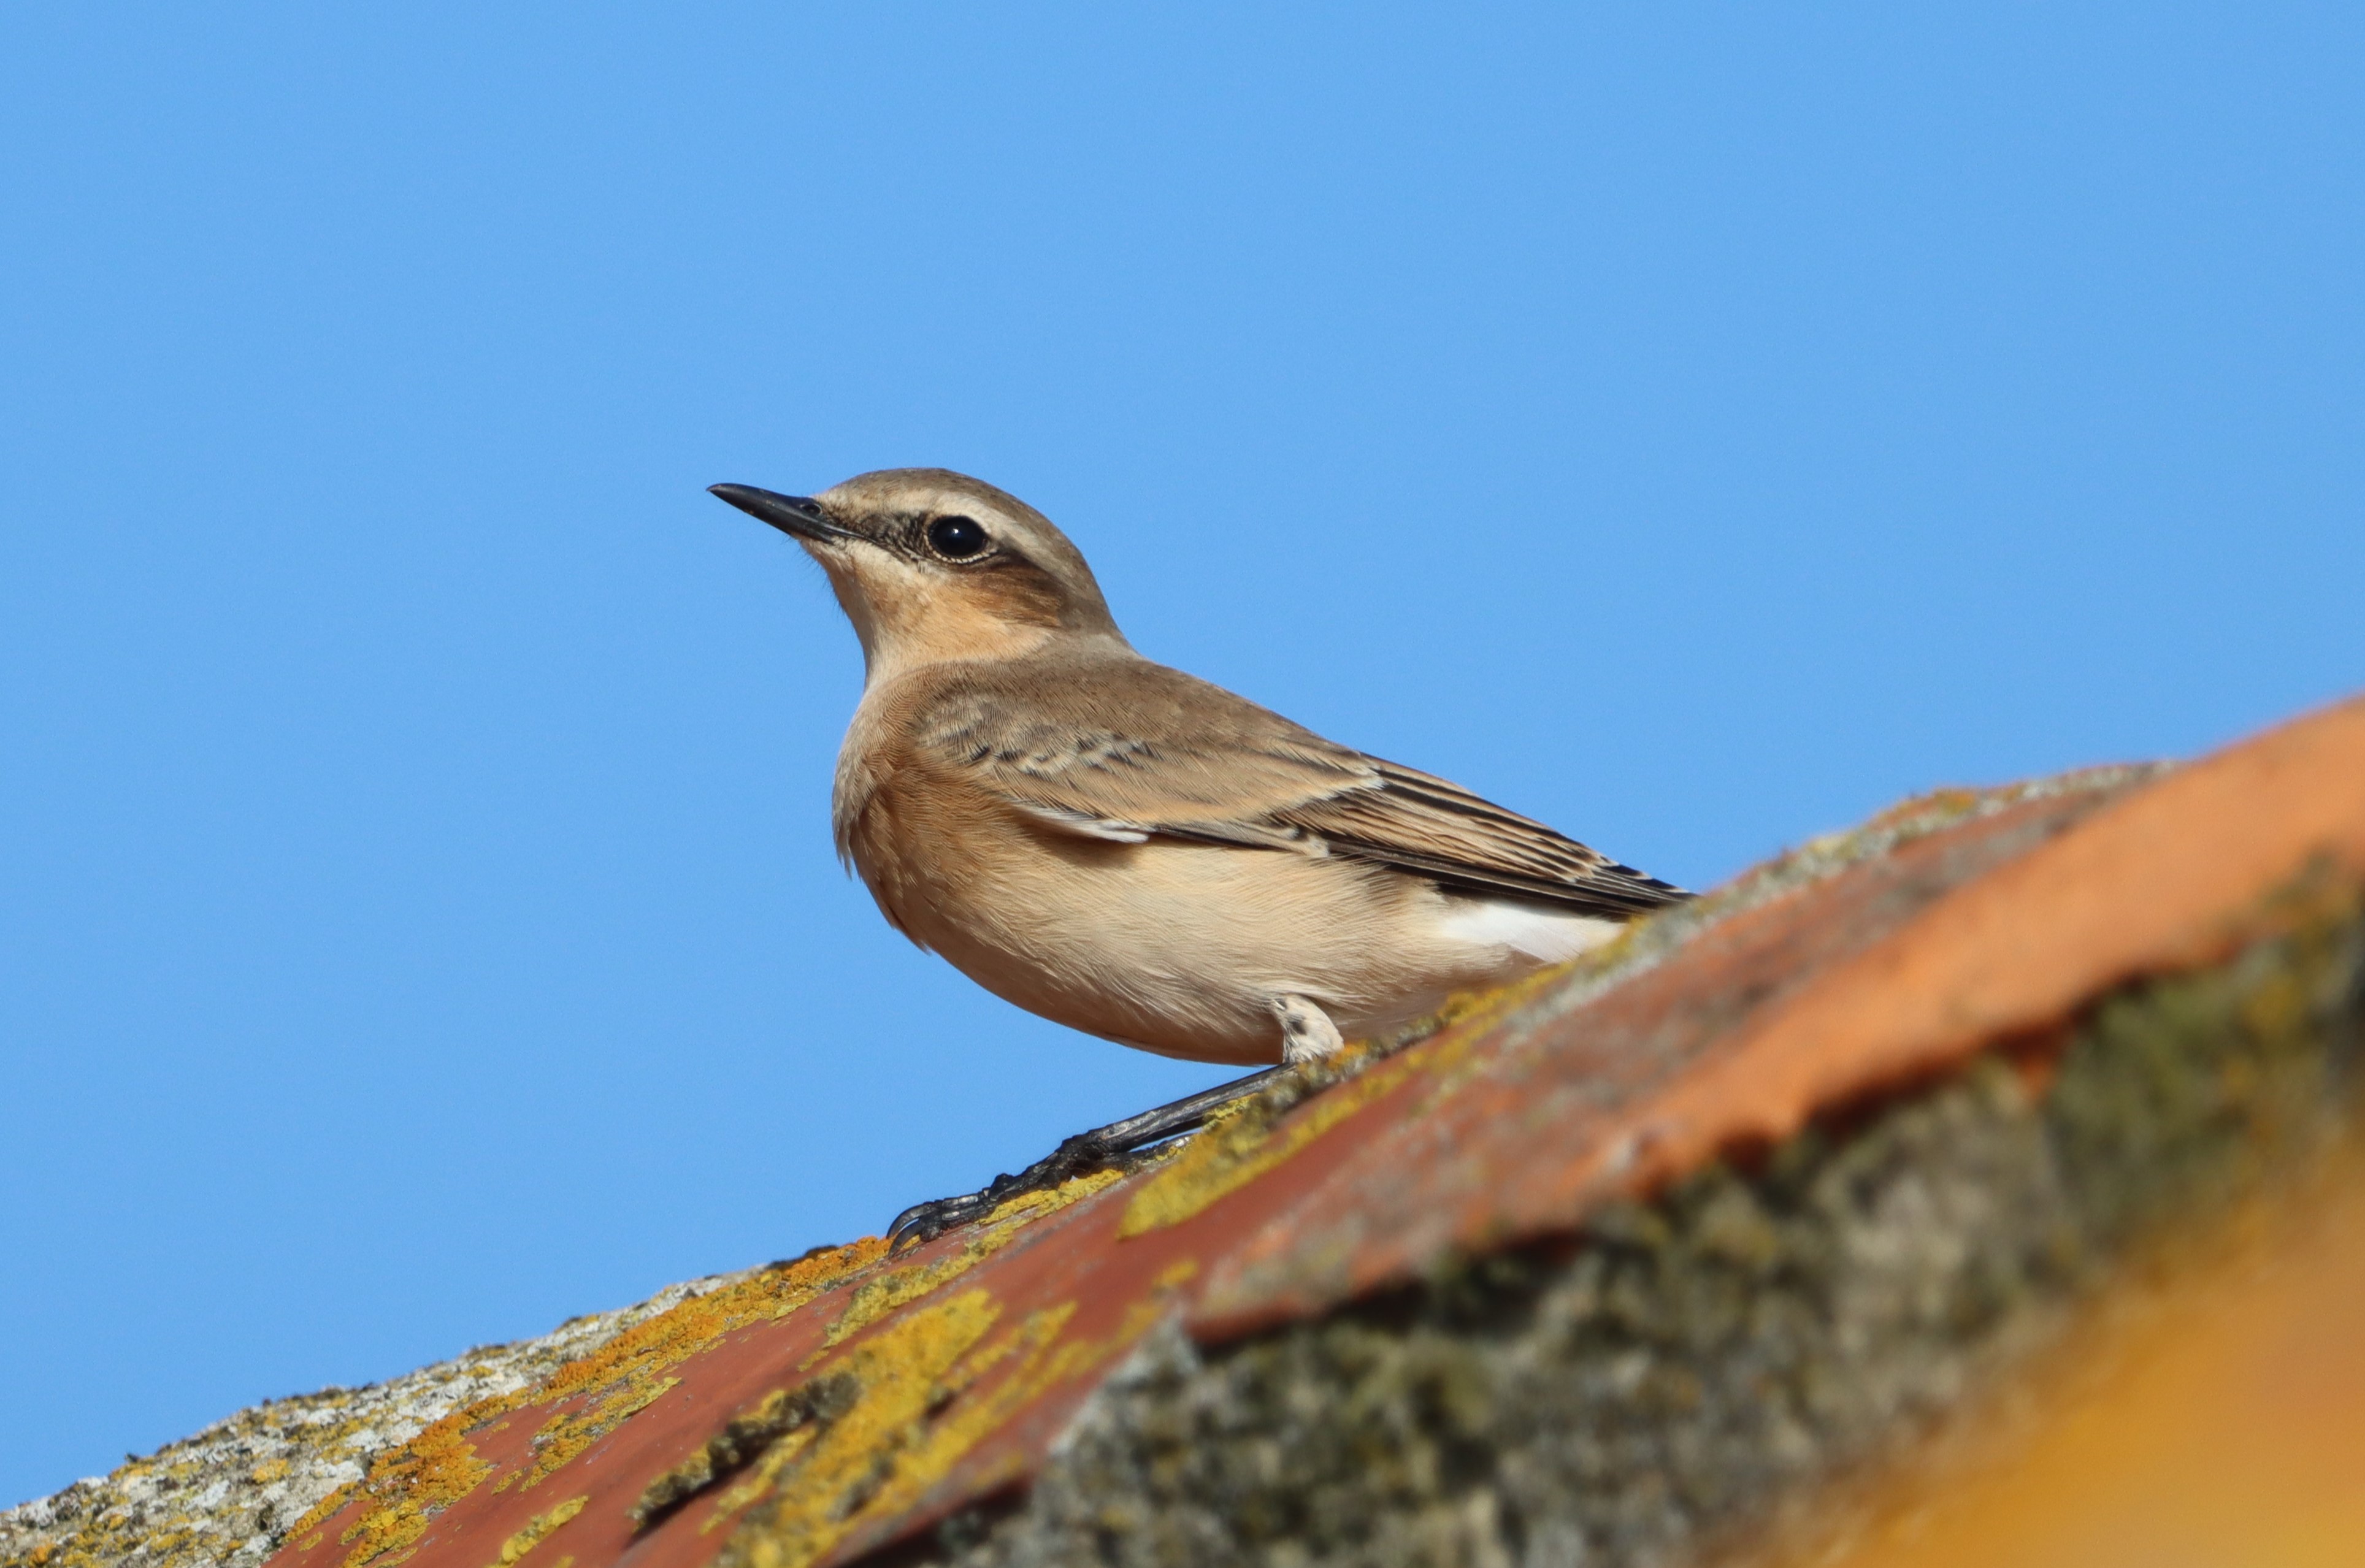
{"points": [[1129, 750]]}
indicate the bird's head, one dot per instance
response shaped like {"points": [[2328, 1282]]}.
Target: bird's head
{"points": [[933, 565]]}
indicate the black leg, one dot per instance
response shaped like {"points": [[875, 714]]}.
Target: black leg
{"points": [[1094, 1150]]}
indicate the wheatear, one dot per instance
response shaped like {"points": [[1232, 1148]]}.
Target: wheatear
{"points": [[1128, 849]]}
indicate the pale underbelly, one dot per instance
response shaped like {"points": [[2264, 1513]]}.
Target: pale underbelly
{"points": [[1181, 948]]}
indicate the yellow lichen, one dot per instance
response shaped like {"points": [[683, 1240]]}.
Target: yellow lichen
{"points": [[673, 1337], [751, 1434], [567, 1434], [759, 1480], [1052, 1199], [916, 1419], [1240, 1144], [1175, 1273], [847, 1465], [537, 1529], [875, 1298]]}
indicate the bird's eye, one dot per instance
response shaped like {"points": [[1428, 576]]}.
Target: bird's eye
{"points": [[957, 538]]}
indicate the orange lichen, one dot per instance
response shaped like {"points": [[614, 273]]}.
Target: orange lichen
{"points": [[429, 1474], [438, 1467], [321, 1512], [666, 1340]]}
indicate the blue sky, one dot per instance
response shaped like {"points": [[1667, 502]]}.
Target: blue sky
{"points": [[1696, 427]]}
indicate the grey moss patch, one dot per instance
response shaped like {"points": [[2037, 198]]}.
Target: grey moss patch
{"points": [[1700, 1363], [227, 1495]]}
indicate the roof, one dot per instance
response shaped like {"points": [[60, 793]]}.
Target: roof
{"points": [[853, 1399]]}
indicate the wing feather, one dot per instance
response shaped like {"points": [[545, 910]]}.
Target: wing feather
{"points": [[1125, 750]]}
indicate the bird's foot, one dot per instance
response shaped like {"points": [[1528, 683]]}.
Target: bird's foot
{"points": [[1117, 1144], [1306, 1032]]}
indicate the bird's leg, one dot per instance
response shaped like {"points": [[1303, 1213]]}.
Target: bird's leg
{"points": [[1307, 1035], [1306, 1032], [1094, 1150]]}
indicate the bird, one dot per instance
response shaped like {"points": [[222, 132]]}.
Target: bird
{"points": [[1132, 851]]}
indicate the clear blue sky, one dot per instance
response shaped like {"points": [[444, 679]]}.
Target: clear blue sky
{"points": [[1694, 426]]}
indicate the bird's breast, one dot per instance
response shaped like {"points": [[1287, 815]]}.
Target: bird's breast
{"points": [[938, 858], [1175, 946]]}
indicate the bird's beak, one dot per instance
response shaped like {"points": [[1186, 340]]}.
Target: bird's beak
{"points": [[800, 517]]}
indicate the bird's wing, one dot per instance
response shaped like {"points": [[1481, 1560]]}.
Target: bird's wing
{"points": [[1416, 821], [1121, 749], [1125, 750]]}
